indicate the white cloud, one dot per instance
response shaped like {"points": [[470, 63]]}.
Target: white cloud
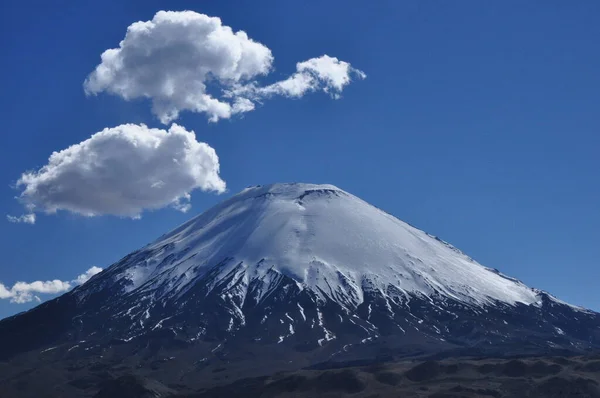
{"points": [[170, 60], [24, 292], [122, 171], [83, 278], [24, 218], [325, 73], [174, 59]]}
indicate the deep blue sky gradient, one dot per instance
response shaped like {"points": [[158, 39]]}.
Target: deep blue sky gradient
{"points": [[478, 122]]}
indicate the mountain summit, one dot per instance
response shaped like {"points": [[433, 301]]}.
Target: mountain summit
{"points": [[326, 240], [300, 274]]}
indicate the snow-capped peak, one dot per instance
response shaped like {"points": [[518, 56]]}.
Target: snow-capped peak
{"points": [[304, 267], [326, 240]]}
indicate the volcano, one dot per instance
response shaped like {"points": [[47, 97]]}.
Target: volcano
{"points": [[290, 276]]}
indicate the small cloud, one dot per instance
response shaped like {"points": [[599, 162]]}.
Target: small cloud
{"points": [[324, 73], [24, 292], [83, 278], [175, 57], [24, 218], [122, 171]]}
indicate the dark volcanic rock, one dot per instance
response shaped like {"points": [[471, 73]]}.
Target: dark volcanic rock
{"points": [[425, 371], [130, 386], [561, 387]]}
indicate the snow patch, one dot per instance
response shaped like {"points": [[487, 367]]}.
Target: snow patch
{"points": [[301, 312]]}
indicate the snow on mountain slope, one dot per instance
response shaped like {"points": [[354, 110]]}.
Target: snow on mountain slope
{"points": [[306, 269], [326, 240]]}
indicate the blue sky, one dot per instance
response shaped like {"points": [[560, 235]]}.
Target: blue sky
{"points": [[477, 122]]}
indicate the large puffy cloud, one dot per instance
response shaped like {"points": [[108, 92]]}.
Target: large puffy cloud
{"points": [[24, 292], [122, 171], [174, 59], [171, 58]]}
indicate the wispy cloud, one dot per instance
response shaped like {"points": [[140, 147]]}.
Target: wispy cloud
{"points": [[24, 292], [24, 218], [324, 73]]}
